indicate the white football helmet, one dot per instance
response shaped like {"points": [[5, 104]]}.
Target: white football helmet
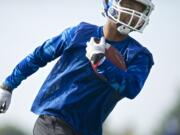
{"points": [[113, 10]]}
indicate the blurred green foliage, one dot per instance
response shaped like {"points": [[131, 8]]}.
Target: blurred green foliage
{"points": [[171, 123], [11, 130]]}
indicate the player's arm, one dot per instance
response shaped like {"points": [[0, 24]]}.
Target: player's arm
{"points": [[129, 83], [48, 51]]}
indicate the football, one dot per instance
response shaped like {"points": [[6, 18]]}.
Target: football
{"points": [[114, 56]]}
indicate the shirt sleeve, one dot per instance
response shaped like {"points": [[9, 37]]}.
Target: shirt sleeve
{"points": [[129, 83], [48, 51]]}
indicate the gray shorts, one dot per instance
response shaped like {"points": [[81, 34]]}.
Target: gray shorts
{"points": [[50, 125]]}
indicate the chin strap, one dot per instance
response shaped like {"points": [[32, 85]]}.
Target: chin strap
{"points": [[123, 29]]}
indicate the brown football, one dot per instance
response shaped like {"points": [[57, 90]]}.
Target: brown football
{"points": [[115, 57]]}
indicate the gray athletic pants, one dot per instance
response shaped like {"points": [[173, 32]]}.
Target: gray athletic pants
{"points": [[50, 125]]}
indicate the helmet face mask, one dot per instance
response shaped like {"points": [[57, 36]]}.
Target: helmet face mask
{"points": [[132, 17]]}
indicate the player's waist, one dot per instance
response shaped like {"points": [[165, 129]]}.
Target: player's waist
{"points": [[55, 120]]}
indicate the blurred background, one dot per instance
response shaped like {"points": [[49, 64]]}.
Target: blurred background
{"points": [[26, 24]]}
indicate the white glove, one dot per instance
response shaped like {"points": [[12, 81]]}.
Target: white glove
{"points": [[5, 99], [95, 51]]}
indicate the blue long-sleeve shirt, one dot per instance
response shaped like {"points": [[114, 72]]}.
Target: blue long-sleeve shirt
{"points": [[72, 91]]}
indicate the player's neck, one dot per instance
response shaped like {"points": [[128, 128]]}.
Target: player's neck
{"points": [[111, 33]]}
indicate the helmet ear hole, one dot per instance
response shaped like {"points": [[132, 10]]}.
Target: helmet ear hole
{"points": [[147, 10]]}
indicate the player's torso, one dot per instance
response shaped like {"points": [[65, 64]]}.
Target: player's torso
{"points": [[74, 93]]}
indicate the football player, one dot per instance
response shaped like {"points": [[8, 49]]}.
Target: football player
{"points": [[84, 86]]}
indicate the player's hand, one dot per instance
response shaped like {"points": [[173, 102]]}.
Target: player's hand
{"points": [[5, 99], [95, 50]]}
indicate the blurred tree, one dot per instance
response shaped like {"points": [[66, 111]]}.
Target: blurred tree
{"points": [[171, 122], [11, 130], [128, 130]]}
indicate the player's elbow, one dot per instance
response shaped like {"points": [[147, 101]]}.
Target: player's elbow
{"points": [[131, 95], [132, 91]]}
